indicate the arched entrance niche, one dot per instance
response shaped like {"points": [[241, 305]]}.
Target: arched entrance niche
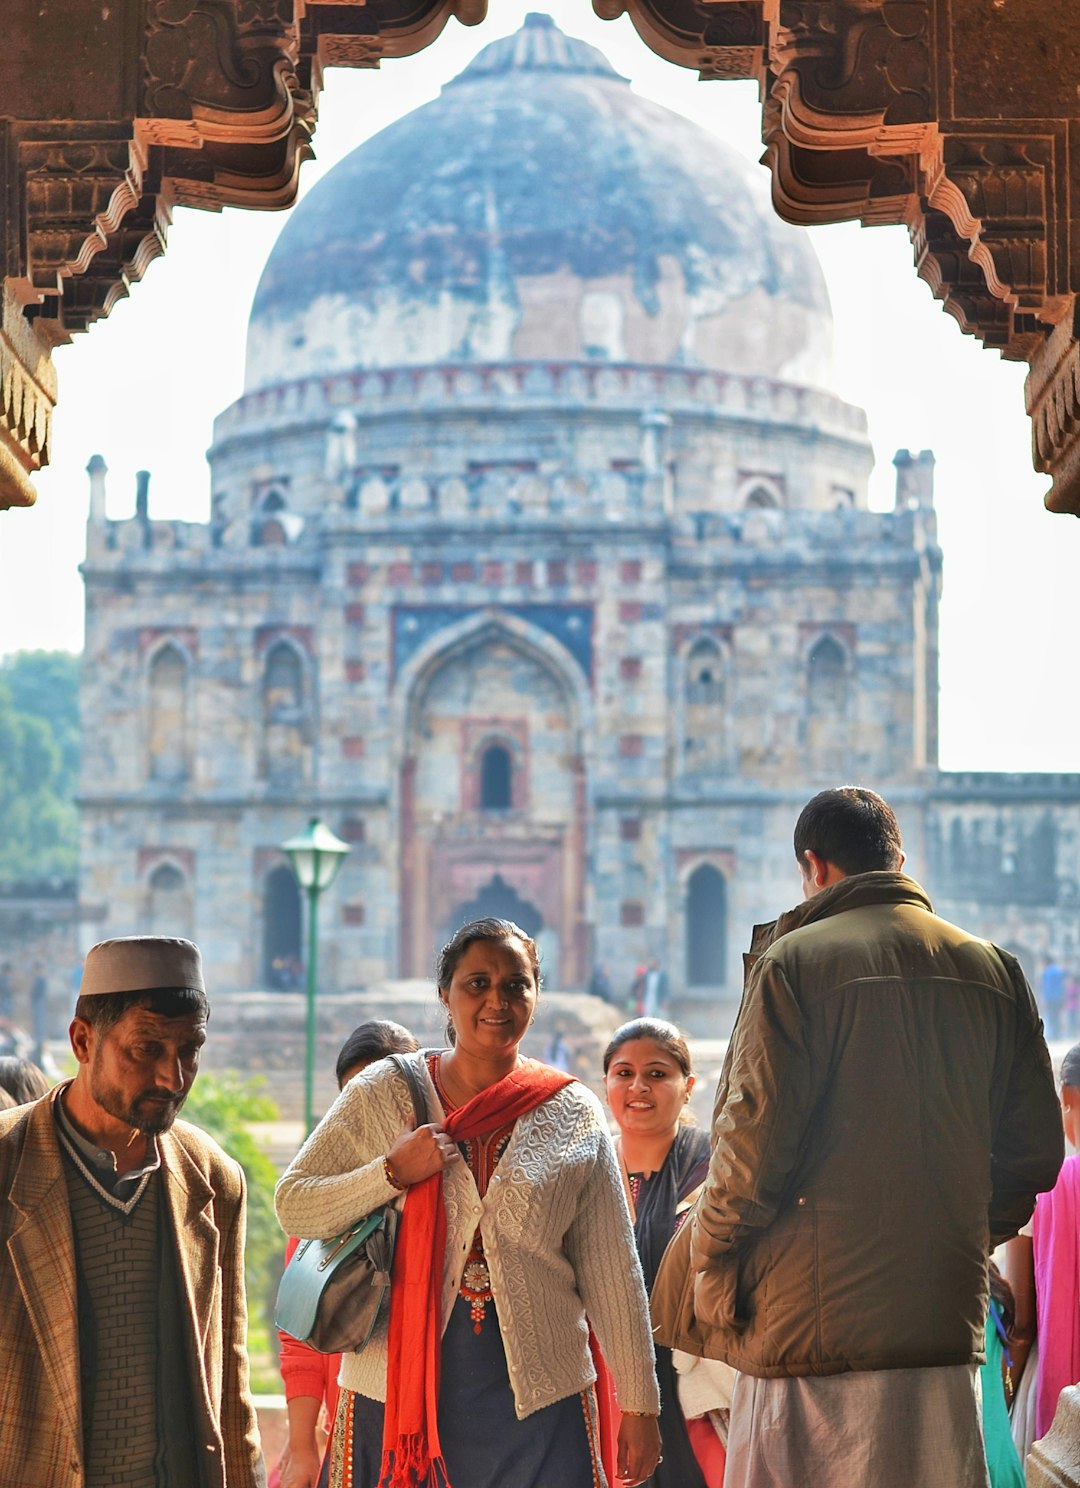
{"points": [[282, 962], [492, 791], [499, 900], [706, 927], [169, 907]]}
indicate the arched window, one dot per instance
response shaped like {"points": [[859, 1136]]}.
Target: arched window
{"points": [[827, 705], [706, 927], [761, 499], [826, 677], [281, 929], [273, 501], [704, 722], [496, 778], [169, 908], [284, 716], [705, 673], [167, 716]]}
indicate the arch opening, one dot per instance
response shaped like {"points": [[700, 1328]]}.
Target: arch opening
{"points": [[167, 723], [281, 931], [499, 900], [706, 927], [169, 909]]}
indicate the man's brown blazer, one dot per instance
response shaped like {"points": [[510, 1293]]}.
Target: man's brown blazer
{"points": [[40, 1415]]}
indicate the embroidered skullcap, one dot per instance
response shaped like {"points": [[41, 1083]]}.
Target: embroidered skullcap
{"points": [[141, 963]]}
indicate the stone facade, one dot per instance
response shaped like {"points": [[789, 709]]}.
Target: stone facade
{"points": [[537, 627]]}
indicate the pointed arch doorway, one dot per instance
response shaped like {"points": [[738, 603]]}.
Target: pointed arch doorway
{"points": [[497, 900]]}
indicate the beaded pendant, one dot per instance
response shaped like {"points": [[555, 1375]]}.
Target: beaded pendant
{"points": [[476, 1282]]}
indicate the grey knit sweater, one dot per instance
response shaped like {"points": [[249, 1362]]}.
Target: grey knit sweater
{"points": [[555, 1226]]}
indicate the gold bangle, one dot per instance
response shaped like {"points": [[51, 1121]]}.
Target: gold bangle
{"points": [[391, 1177]]}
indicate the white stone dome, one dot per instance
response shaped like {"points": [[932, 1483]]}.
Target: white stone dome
{"points": [[539, 210]]}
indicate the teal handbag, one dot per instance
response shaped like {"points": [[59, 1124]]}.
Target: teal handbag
{"points": [[333, 1291]]}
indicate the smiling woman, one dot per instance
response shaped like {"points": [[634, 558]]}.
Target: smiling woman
{"points": [[664, 1160], [514, 1225]]}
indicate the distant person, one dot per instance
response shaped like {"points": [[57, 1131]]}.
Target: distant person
{"points": [[885, 1117], [600, 984], [122, 1312], [558, 1052], [7, 992], [310, 1378], [654, 990], [22, 1079]]}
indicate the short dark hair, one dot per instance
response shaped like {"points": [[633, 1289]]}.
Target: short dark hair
{"points": [[489, 928], [1070, 1067], [370, 1041], [22, 1079], [851, 827], [659, 1031], [104, 1012]]}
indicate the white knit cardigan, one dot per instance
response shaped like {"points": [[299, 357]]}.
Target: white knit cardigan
{"points": [[555, 1226]]}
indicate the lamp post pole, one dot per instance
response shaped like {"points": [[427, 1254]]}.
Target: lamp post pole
{"points": [[309, 1045], [314, 857]]}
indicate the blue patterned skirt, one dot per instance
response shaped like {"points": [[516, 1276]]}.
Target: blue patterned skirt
{"points": [[484, 1444]]}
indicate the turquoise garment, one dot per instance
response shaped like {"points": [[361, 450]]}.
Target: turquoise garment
{"points": [[1001, 1458]]}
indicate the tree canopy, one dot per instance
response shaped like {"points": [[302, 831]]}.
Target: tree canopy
{"points": [[39, 749]]}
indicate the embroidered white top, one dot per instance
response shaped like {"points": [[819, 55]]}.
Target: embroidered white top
{"points": [[554, 1222]]}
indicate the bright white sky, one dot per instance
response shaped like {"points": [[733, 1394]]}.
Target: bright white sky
{"points": [[144, 386]]}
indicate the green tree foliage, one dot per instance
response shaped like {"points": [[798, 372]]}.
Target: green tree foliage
{"points": [[39, 747], [45, 684], [224, 1105]]}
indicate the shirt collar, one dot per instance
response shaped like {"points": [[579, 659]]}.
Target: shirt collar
{"points": [[100, 1160]]}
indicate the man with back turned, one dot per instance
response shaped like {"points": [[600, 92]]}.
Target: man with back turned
{"points": [[886, 1115]]}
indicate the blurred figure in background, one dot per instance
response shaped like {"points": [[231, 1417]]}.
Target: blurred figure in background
{"points": [[22, 1079]]}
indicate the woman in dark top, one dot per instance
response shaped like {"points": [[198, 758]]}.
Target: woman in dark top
{"points": [[664, 1160]]}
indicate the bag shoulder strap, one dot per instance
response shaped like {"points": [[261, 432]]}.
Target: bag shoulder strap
{"points": [[408, 1070]]}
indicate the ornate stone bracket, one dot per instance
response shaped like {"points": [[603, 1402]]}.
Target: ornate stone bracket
{"points": [[958, 118], [114, 115]]}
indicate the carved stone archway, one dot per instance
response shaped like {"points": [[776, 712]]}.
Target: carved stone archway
{"points": [[957, 118]]}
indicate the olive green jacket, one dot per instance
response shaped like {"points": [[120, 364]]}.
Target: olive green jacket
{"points": [[886, 1114]]}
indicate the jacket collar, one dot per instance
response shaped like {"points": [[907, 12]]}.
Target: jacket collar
{"points": [[852, 892]]}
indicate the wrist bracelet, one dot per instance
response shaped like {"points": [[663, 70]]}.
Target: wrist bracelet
{"points": [[391, 1177], [642, 1415]]}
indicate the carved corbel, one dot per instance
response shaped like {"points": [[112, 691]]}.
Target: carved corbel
{"points": [[854, 74], [722, 40], [812, 186]]}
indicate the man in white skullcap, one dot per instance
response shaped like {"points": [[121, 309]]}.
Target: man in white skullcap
{"points": [[122, 1314]]}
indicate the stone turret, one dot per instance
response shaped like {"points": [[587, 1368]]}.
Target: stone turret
{"points": [[914, 480]]}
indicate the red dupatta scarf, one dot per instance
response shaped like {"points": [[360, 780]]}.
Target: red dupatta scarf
{"points": [[412, 1454]]}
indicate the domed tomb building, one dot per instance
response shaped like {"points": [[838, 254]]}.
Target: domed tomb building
{"points": [[539, 565]]}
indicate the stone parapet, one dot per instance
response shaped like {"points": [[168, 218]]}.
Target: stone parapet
{"points": [[541, 385]]}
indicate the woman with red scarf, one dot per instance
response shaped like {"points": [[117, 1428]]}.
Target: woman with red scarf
{"points": [[514, 1227]]}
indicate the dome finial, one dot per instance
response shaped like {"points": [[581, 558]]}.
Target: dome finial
{"points": [[539, 46]]}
